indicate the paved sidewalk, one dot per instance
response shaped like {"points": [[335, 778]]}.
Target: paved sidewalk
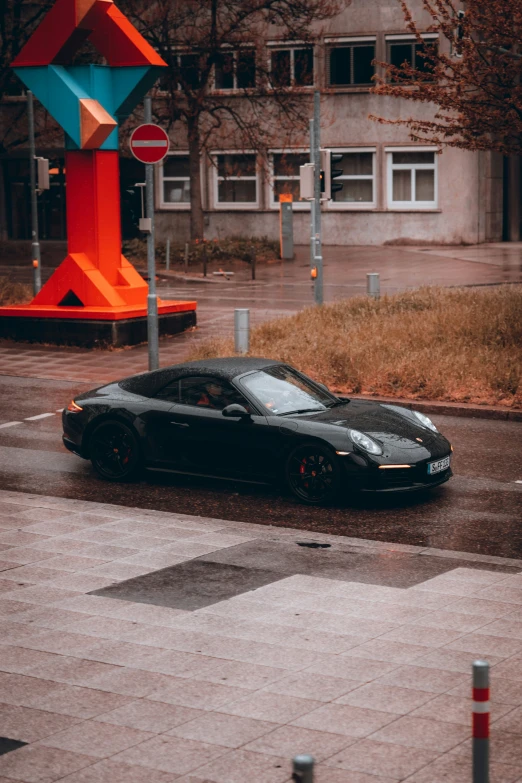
{"points": [[360, 655]]}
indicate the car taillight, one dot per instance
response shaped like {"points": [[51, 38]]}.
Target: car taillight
{"points": [[73, 407]]}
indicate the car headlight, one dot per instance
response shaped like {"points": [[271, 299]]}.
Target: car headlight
{"points": [[365, 442], [425, 421]]}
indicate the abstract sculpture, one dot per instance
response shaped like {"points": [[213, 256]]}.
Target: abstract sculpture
{"points": [[95, 282]]}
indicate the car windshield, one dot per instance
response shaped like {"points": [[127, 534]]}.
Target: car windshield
{"points": [[282, 391]]}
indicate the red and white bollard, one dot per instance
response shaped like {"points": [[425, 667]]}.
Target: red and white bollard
{"points": [[481, 711]]}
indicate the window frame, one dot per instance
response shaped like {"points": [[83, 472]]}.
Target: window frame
{"points": [[345, 42], [239, 205], [276, 205], [172, 205], [409, 206], [225, 383], [408, 38], [357, 206], [234, 51], [292, 47]]}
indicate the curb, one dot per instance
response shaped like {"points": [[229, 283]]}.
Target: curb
{"points": [[449, 408], [187, 278]]}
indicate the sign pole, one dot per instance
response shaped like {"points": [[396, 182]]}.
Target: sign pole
{"points": [[152, 299], [312, 202], [35, 246], [318, 253]]}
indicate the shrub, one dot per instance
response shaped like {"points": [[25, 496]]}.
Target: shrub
{"points": [[433, 343]]}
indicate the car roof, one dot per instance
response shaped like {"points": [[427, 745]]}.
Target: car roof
{"points": [[227, 368]]}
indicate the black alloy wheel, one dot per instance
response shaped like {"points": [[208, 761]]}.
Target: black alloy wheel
{"points": [[312, 474], [114, 451]]}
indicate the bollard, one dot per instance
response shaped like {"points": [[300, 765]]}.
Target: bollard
{"points": [[186, 256], [303, 769], [167, 256], [480, 722], [205, 260], [373, 284], [242, 330]]}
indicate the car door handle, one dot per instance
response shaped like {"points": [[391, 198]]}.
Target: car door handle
{"points": [[179, 424]]}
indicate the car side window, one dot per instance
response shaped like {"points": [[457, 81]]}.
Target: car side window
{"points": [[170, 392], [208, 392]]}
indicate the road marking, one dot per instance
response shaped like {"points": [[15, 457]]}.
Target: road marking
{"points": [[518, 482], [10, 424], [40, 416], [60, 410]]}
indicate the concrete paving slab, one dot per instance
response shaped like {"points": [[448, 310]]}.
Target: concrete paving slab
{"points": [[367, 667]]}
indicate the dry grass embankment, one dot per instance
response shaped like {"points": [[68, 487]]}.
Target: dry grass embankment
{"points": [[460, 345], [14, 293]]}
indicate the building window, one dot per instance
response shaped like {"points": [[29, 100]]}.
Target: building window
{"points": [[236, 179], [292, 67], [285, 174], [410, 51], [235, 70], [350, 64], [175, 180], [358, 178], [412, 179]]}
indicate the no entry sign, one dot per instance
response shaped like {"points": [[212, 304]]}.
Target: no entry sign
{"points": [[149, 143]]}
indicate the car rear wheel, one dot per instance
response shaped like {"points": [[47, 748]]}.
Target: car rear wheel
{"points": [[312, 474], [114, 451]]}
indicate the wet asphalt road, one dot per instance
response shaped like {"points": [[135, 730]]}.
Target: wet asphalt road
{"points": [[479, 510]]}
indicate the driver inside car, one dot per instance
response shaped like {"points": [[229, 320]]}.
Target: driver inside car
{"points": [[212, 396]]}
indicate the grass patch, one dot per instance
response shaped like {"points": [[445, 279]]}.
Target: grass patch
{"points": [[14, 293], [460, 345]]}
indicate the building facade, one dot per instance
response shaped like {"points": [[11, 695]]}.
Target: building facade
{"points": [[395, 191]]}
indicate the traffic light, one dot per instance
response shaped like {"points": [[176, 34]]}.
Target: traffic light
{"points": [[42, 174], [306, 181], [329, 173]]}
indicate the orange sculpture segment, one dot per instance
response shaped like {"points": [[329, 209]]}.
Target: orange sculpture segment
{"points": [[94, 282]]}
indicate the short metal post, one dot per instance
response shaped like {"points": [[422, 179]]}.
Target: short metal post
{"points": [[373, 284], [152, 299], [35, 247], [242, 330], [205, 259], [186, 256], [167, 255], [303, 769], [253, 259], [480, 731]]}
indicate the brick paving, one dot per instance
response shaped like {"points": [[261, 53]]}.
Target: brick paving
{"points": [[372, 679]]}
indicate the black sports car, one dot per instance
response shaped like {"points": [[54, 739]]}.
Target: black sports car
{"points": [[255, 420]]}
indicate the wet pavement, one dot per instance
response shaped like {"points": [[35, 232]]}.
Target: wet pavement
{"points": [[479, 510], [280, 289], [356, 652]]}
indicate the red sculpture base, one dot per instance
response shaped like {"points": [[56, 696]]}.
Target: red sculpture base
{"points": [[95, 283], [40, 325]]}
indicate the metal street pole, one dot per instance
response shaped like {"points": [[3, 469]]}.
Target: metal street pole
{"points": [[318, 259], [152, 299], [35, 247], [312, 203]]}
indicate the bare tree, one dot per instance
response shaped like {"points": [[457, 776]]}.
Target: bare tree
{"points": [[220, 83], [474, 81]]}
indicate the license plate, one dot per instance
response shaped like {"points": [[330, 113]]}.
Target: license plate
{"points": [[438, 466]]}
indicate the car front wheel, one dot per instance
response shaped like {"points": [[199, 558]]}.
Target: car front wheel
{"points": [[114, 451], [312, 474]]}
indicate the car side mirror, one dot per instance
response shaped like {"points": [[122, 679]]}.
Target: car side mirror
{"points": [[235, 411], [322, 386]]}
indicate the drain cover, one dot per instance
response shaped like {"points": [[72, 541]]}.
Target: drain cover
{"points": [[7, 745], [313, 545]]}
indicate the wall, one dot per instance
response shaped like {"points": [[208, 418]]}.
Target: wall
{"points": [[469, 209]]}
